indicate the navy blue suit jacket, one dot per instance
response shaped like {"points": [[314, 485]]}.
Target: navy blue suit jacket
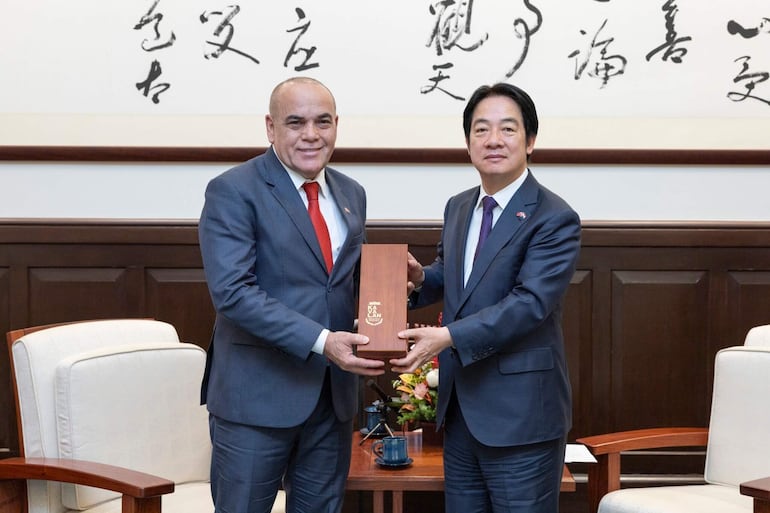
{"points": [[507, 365], [273, 296]]}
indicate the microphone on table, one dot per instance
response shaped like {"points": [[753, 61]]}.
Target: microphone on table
{"points": [[374, 386]]}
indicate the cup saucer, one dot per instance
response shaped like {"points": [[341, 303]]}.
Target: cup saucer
{"points": [[383, 463]]}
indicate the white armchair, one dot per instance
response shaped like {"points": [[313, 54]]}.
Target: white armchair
{"points": [[737, 445], [104, 408]]}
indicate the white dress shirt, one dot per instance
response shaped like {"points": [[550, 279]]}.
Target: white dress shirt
{"points": [[502, 197]]}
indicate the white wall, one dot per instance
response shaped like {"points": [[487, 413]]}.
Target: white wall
{"points": [[175, 191]]}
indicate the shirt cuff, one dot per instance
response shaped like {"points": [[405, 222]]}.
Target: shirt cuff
{"points": [[320, 342]]}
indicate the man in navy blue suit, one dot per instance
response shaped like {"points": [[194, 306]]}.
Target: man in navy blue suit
{"points": [[506, 256], [280, 381]]}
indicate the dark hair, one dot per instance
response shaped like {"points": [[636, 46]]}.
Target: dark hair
{"points": [[518, 95]]}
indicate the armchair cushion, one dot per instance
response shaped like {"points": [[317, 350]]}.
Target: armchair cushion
{"points": [[738, 448], [36, 354], [676, 499], [758, 336], [103, 415]]}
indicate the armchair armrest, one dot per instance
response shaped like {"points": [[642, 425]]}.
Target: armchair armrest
{"points": [[141, 492], [604, 476], [760, 490]]}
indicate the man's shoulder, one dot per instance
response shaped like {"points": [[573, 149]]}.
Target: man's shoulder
{"points": [[547, 197], [342, 179], [464, 196], [245, 170]]}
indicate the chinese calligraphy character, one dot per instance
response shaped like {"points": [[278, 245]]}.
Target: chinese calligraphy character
{"points": [[305, 65], [751, 80], [605, 66], [522, 31], [672, 37], [733, 27], [438, 79], [452, 21], [225, 31], [156, 43], [147, 85]]}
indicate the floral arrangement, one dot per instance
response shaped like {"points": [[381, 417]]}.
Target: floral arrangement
{"points": [[419, 394]]}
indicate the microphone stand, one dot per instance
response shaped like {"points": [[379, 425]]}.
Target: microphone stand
{"points": [[383, 422]]}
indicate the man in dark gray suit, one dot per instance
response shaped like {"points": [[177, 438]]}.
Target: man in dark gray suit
{"points": [[279, 382], [506, 256]]}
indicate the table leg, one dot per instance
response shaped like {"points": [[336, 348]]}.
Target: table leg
{"points": [[398, 501], [378, 501]]}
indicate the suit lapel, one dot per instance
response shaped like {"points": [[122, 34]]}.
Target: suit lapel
{"points": [[284, 192], [518, 211], [342, 198], [456, 246]]}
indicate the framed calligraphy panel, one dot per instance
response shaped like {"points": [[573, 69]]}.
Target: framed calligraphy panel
{"points": [[605, 75]]}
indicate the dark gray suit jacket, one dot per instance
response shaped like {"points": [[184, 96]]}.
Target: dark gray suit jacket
{"points": [[508, 367], [272, 295]]}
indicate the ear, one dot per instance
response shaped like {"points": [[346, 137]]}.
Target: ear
{"points": [[270, 128], [531, 144]]}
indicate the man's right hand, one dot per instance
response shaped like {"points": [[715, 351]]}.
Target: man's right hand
{"points": [[339, 349]]}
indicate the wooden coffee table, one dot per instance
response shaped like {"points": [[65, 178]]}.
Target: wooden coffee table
{"points": [[426, 473]]}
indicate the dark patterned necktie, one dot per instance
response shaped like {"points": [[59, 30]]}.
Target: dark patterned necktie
{"points": [[489, 205]]}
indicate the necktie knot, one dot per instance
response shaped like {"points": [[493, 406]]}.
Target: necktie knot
{"points": [[311, 190], [489, 204]]}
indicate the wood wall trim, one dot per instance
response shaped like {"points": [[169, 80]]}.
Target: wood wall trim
{"points": [[720, 157], [185, 231]]}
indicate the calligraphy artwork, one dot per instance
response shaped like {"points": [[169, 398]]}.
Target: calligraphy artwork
{"points": [[673, 48], [597, 59], [296, 49], [224, 30], [158, 41], [400, 70]]}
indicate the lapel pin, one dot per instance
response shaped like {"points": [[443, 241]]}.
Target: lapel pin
{"points": [[346, 210], [521, 215]]}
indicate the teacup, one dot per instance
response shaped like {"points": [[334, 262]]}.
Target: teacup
{"points": [[391, 449]]}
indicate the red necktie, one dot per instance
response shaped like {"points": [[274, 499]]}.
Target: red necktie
{"points": [[321, 231]]}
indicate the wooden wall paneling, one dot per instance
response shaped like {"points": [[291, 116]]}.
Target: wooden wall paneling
{"points": [[578, 341], [59, 294], [599, 380], [661, 364], [659, 352], [747, 297], [7, 422], [181, 297]]}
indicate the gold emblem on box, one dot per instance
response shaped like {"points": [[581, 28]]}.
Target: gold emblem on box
{"points": [[373, 315]]}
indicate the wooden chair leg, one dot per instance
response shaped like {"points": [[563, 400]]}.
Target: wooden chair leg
{"points": [[13, 494], [603, 477], [137, 505]]}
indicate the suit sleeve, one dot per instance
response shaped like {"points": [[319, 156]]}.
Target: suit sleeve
{"points": [[228, 240]]}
